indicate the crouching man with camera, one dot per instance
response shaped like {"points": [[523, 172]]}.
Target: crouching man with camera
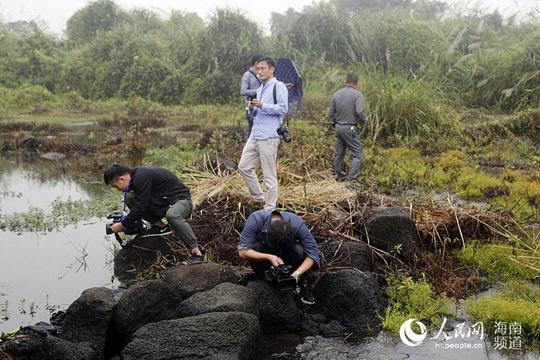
{"points": [[272, 239], [267, 109], [153, 193]]}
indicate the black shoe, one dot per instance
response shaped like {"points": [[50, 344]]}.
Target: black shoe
{"points": [[194, 259], [157, 231], [306, 296]]}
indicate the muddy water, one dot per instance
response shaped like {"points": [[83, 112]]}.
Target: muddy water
{"points": [[43, 273]]}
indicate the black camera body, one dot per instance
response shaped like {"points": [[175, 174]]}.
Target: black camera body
{"points": [[117, 217], [284, 132], [281, 278]]}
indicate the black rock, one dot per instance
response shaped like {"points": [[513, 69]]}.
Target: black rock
{"points": [[191, 279], [223, 336], [389, 227], [351, 297], [140, 254], [223, 298], [88, 318], [29, 344], [143, 303], [277, 312]]}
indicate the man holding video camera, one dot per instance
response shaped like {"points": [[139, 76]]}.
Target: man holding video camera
{"points": [[267, 109], [273, 239], [153, 193]]}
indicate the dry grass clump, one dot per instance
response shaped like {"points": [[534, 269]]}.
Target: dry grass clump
{"points": [[444, 224]]}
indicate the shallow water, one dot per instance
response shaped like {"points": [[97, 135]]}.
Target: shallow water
{"points": [[382, 345], [43, 273]]}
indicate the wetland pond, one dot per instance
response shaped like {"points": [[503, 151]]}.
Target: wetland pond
{"points": [[44, 272], [41, 273]]}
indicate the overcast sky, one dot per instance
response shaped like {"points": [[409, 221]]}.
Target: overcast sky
{"points": [[55, 13]]}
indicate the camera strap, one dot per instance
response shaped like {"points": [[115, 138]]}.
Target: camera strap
{"points": [[275, 102], [256, 77], [125, 194]]}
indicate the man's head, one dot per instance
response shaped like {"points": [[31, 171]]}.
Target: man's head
{"points": [[352, 79], [265, 69], [255, 60], [280, 234], [117, 176]]}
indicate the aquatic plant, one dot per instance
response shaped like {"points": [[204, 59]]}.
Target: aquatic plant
{"points": [[63, 213], [413, 299]]}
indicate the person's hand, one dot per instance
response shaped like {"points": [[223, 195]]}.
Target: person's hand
{"points": [[296, 275], [258, 103], [117, 227], [289, 85], [274, 260]]}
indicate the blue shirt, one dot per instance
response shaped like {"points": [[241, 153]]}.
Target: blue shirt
{"points": [[258, 222], [269, 118]]}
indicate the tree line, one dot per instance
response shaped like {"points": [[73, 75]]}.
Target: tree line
{"points": [[401, 48]]}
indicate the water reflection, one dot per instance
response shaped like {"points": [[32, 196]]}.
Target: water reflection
{"points": [[42, 273]]}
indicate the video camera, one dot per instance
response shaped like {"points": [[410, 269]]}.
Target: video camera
{"points": [[281, 278], [284, 132], [117, 217]]}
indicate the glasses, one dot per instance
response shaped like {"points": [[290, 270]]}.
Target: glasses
{"points": [[263, 68]]}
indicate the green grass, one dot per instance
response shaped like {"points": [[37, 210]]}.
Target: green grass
{"points": [[48, 118], [497, 261], [519, 303], [410, 299]]}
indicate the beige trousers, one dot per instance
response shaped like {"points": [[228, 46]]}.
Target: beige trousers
{"points": [[265, 153]]}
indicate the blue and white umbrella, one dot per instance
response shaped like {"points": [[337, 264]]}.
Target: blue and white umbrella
{"points": [[287, 73]]}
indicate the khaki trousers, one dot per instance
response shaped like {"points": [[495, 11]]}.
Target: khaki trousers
{"points": [[265, 153]]}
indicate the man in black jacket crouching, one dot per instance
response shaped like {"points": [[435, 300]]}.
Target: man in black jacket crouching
{"points": [[152, 193]]}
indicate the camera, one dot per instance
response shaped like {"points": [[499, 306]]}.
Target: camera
{"points": [[281, 278], [117, 217], [284, 132]]}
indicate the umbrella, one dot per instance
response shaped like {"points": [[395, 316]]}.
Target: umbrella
{"points": [[286, 72]]}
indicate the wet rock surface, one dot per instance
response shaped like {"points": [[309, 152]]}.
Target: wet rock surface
{"points": [[224, 336]]}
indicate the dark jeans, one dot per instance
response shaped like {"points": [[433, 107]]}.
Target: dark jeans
{"points": [[294, 255]]}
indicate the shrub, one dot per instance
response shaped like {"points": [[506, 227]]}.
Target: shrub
{"points": [[525, 123], [30, 97]]}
